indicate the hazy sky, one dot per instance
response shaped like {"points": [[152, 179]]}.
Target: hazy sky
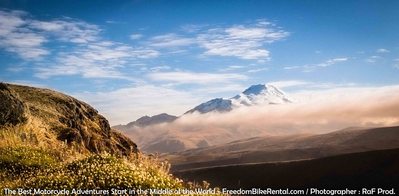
{"points": [[132, 58]]}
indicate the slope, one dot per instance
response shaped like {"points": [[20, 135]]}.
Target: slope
{"points": [[53, 119], [357, 170], [52, 141], [288, 148]]}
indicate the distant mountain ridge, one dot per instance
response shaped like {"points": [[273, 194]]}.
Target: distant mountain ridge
{"points": [[254, 95], [152, 120], [147, 121]]}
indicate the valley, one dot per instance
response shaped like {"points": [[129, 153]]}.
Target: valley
{"points": [[355, 170], [287, 148]]}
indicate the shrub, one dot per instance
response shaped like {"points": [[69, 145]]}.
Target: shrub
{"points": [[104, 171]]}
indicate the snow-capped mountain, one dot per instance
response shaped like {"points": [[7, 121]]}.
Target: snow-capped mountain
{"points": [[177, 138], [254, 95], [218, 104], [261, 94]]}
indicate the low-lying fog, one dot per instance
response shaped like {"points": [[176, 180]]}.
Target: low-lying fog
{"points": [[313, 112]]}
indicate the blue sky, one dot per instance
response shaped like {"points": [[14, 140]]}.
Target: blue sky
{"points": [[131, 58]]}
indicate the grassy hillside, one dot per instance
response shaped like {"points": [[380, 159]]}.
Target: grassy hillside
{"points": [[358, 170], [31, 167], [50, 140], [50, 118]]}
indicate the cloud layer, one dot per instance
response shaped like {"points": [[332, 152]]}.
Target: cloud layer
{"points": [[196, 78], [78, 47], [240, 41], [313, 112], [16, 36], [68, 47], [313, 67]]}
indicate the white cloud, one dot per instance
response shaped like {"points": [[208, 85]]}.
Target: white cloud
{"points": [[17, 38], [258, 70], [232, 67], [373, 59], [328, 85], [10, 22], [382, 50], [308, 85], [97, 60], [114, 22], [68, 30], [245, 42], [288, 83], [236, 66], [216, 90], [160, 68], [313, 67], [170, 40], [195, 78], [127, 104], [135, 36], [89, 55], [192, 28], [16, 68], [339, 92], [26, 37], [85, 53], [336, 60]]}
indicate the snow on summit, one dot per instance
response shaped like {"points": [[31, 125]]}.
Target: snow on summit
{"points": [[254, 95]]}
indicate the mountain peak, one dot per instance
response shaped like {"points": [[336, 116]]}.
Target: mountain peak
{"points": [[255, 89], [218, 105], [151, 120], [262, 88], [162, 115], [254, 95], [143, 118]]}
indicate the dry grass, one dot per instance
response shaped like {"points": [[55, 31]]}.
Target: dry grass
{"points": [[31, 167], [32, 154]]}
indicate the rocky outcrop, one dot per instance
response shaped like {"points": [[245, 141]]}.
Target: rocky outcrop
{"points": [[71, 121], [12, 110]]}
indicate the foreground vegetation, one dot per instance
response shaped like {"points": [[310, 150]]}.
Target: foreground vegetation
{"points": [[49, 140], [29, 166]]}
